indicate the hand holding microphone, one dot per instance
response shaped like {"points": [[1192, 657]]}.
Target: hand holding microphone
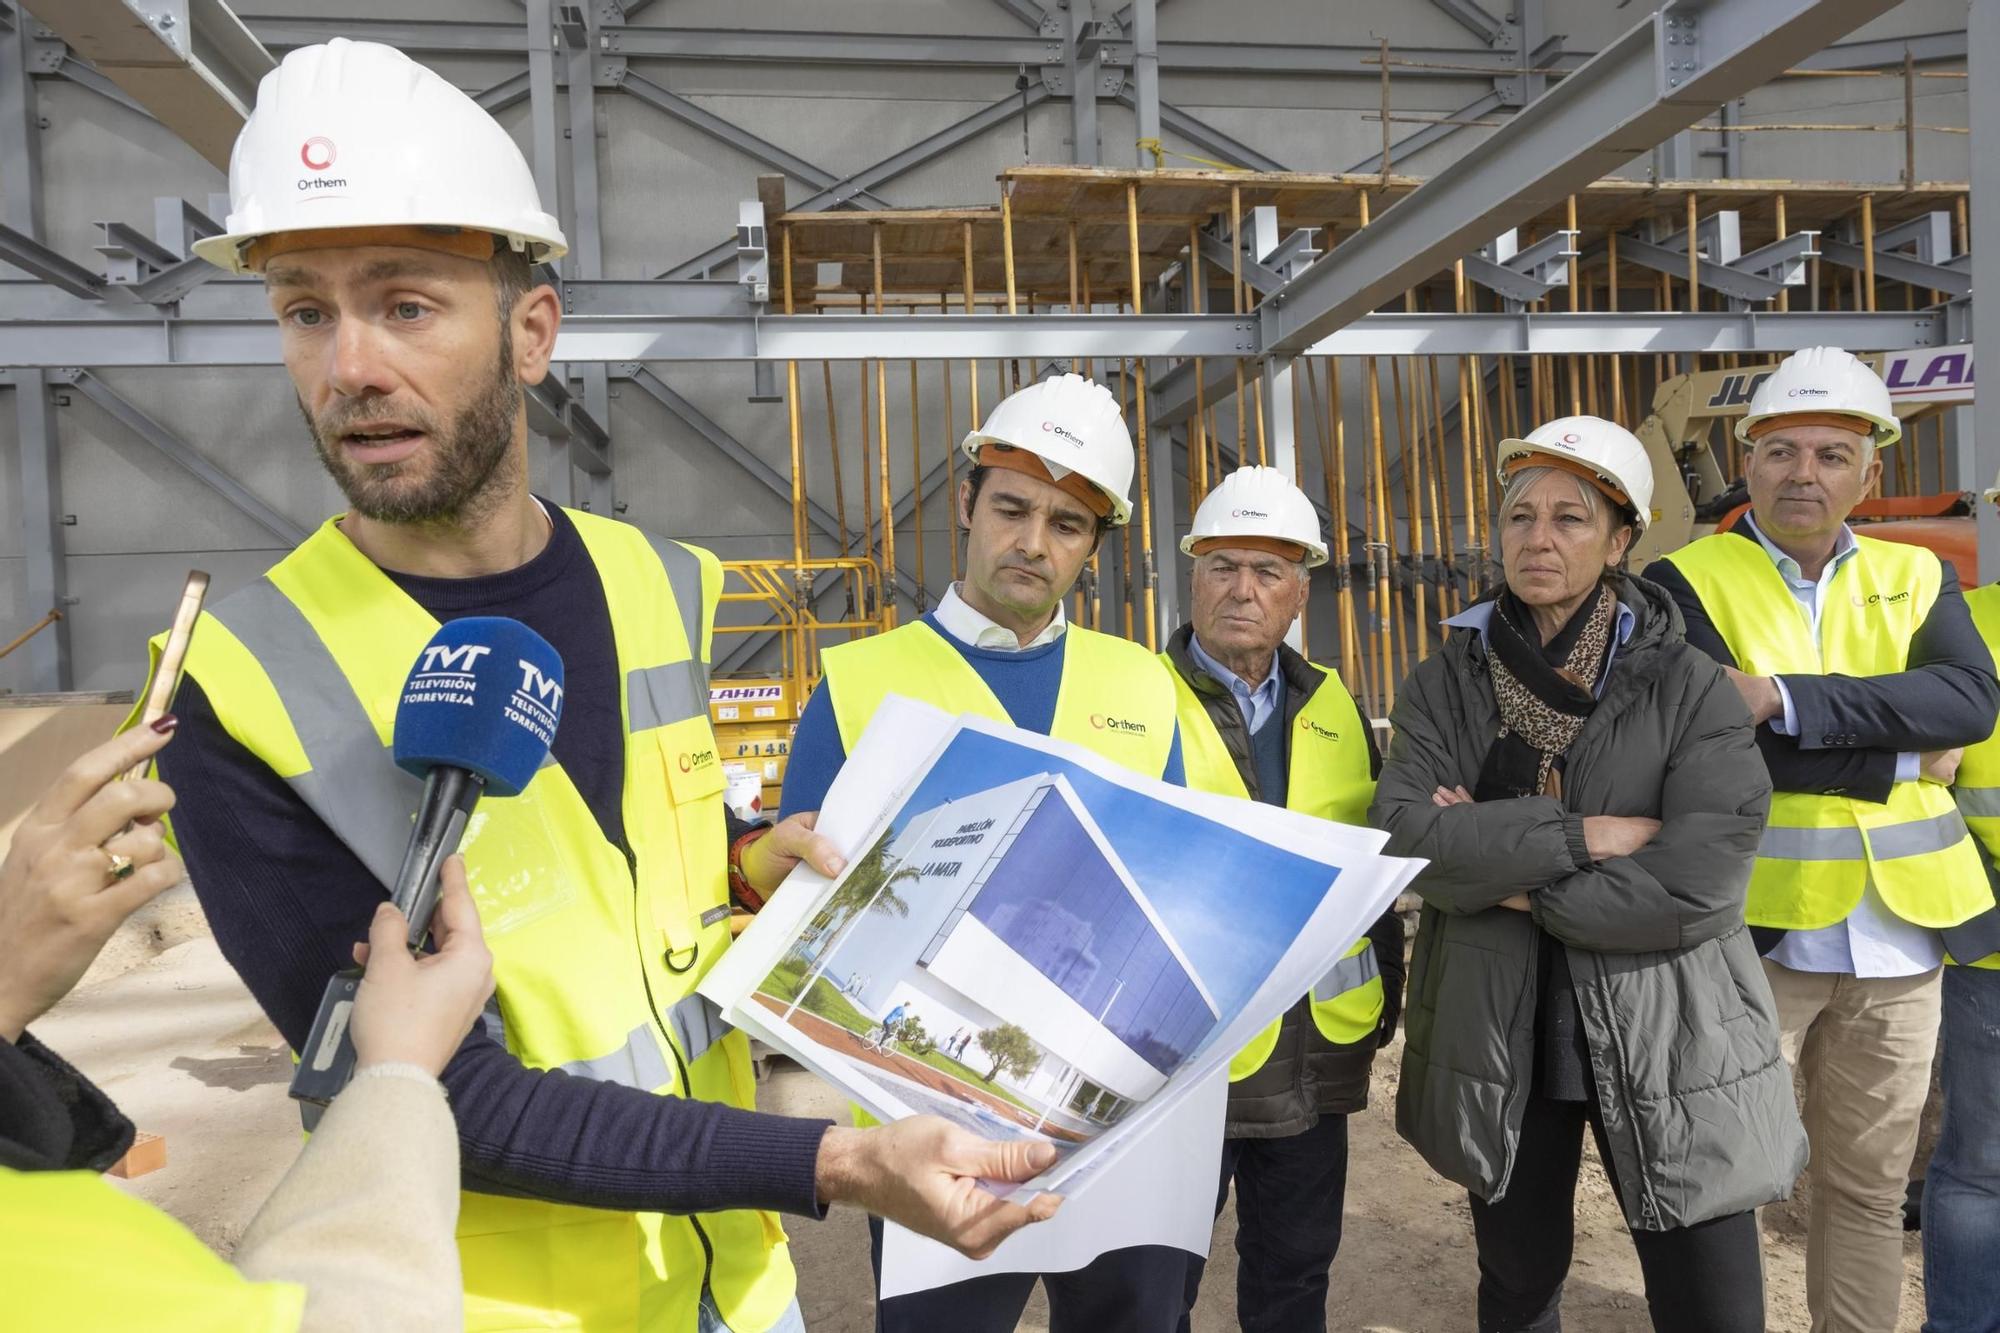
{"points": [[417, 1009], [476, 717]]}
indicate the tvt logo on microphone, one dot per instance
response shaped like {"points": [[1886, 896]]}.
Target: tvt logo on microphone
{"points": [[536, 703], [447, 673]]}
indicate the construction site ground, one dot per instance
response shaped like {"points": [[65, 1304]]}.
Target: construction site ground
{"points": [[176, 1039]]}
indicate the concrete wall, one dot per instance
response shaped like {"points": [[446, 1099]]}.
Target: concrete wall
{"points": [[669, 192]]}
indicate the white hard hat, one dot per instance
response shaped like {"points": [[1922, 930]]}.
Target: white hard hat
{"points": [[358, 135], [1072, 425], [1823, 381], [1599, 450], [1258, 502]]}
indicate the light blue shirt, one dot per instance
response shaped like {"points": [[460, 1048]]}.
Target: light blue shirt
{"points": [[1479, 616], [1872, 941], [1258, 705]]}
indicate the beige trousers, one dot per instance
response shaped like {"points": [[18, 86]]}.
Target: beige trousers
{"points": [[1864, 1046]]}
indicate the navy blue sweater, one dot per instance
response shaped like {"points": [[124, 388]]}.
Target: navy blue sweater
{"points": [[1025, 682], [286, 899]]}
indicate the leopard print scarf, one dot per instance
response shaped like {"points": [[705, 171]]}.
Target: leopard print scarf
{"points": [[1541, 704]]}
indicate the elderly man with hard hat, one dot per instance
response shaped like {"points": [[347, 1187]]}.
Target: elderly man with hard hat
{"points": [[1052, 473], [1961, 1201], [1861, 665], [615, 1176], [1260, 722]]}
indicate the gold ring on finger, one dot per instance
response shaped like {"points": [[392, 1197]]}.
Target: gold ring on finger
{"points": [[121, 866]]}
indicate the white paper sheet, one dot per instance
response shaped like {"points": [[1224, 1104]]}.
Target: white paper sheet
{"points": [[1161, 1191], [1149, 1178]]}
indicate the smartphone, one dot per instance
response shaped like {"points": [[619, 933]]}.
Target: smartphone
{"points": [[167, 675]]}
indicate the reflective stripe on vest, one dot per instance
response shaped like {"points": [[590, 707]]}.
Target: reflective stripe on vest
{"points": [[83, 1257], [1114, 699], [1820, 852], [1327, 777], [1978, 794], [305, 669]]}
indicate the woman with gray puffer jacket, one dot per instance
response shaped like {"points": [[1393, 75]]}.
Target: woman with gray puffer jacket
{"points": [[1588, 794]]}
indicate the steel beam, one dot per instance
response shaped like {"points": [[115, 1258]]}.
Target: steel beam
{"points": [[87, 334], [1892, 266], [1924, 47], [190, 63], [1205, 136], [29, 255], [759, 150], [1730, 281], [182, 453], [868, 178], [1474, 20], [1660, 77], [1590, 332]]}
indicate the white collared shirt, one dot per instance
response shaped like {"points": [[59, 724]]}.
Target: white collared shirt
{"points": [[1873, 941], [1258, 705], [979, 630]]}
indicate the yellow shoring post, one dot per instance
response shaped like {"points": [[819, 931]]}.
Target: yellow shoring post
{"points": [[1442, 536], [971, 363], [833, 454], [1149, 579], [917, 488], [1611, 303], [801, 534], [887, 501], [1409, 449], [1575, 303], [1382, 535], [1007, 242], [1236, 305], [866, 486], [1778, 210], [1694, 256], [1353, 662], [1197, 300], [1299, 479], [951, 439]]}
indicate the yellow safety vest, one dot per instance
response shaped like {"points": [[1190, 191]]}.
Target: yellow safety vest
{"points": [[596, 958], [1113, 699], [1819, 852], [77, 1256], [1977, 790], [1328, 778]]}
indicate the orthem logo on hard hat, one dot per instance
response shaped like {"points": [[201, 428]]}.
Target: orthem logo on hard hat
{"points": [[1248, 513], [1054, 429], [318, 153], [1807, 391], [1571, 437]]}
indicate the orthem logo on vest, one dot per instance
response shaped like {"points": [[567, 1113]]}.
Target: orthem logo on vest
{"points": [[695, 759], [1880, 599], [1325, 734], [1106, 723]]}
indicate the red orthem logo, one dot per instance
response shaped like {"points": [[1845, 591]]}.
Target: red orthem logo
{"points": [[318, 153]]}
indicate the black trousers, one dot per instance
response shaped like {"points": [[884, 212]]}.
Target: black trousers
{"points": [[1137, 1290], [1289, 1195], [1707, 1278]]}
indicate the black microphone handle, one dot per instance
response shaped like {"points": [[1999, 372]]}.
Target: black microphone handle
{"points": [[449, 797]]}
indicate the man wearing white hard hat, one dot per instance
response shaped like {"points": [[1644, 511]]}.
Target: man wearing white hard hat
{"points": [[1961, 1198], [615, 1175], [1865, 676], [1052, 473], [1261, 723], [1583, 787]]}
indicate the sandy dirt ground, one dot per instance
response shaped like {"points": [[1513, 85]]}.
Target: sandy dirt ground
{"points": [[183, 1048]]}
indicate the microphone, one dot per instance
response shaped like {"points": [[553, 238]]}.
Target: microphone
{"points": [[476, 718]]}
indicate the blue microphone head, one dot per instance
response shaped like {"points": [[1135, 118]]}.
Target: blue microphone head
{"points": [[485, 695]]}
